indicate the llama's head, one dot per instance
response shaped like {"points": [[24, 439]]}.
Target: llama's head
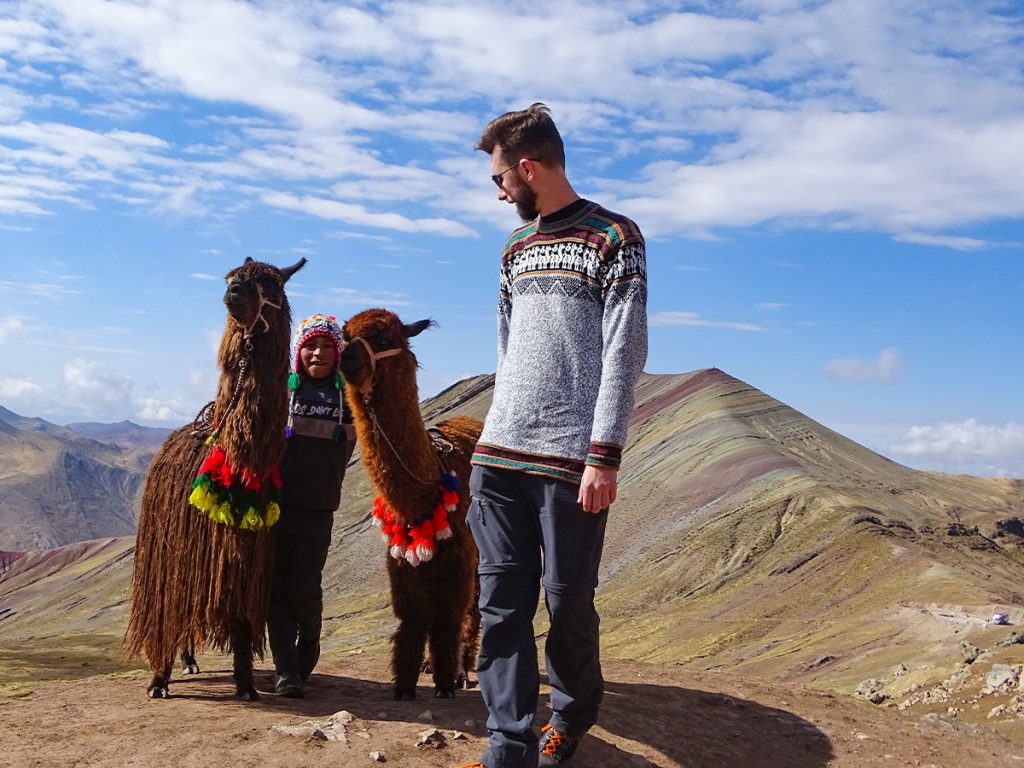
{"points": [[377, 342], [255, 296]]}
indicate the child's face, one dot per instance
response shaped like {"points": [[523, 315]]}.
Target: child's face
{"points": [[318, 357]]}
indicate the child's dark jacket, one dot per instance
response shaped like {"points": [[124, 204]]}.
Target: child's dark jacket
{"points": [[320, 447]]}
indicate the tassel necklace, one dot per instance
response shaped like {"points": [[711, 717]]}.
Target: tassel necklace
{"points": [[415, 543], [234, 497]]}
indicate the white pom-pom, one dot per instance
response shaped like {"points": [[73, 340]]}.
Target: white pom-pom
{"points": [[376, 521], [397, 552], [411, 557], [449, 507], [425, 553], [443, 533]]}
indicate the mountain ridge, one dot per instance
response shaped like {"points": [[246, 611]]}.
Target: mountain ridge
{"points": [[745, 537]]}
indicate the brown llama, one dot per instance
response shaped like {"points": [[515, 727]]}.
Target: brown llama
{"points": [[204, 553], [432, 557]]}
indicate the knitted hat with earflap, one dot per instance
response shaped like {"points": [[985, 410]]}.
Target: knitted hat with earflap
{"points": [[313, 326]]}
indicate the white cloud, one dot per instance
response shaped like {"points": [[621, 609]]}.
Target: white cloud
{"points": [[91, 387], [358, 214], [693, 319], [885, 369], [48, 291], [13, 389], [9, 326], [966, 446], [773, 111], [155, 409], [944, 241], [352, 297]]}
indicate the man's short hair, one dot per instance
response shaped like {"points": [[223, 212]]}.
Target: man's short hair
{"points": [[529, 133]]}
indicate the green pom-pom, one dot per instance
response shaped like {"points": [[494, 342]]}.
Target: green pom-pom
{"points": [[294, 382], [339, 381]]}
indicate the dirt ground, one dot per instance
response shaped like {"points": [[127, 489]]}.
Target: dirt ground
{"points": [[652, 716]]}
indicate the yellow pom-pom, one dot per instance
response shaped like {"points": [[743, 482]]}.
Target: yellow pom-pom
{"points": [[202, 499], [221, 513], [251, 521], [273, 513]]}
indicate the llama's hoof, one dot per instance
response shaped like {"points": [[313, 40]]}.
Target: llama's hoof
{"points": [[249, 694], [190, 669], [158, 690], [444, 693], [404, 695]]}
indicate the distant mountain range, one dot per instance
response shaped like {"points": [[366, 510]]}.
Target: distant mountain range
{"points": [[63, 484]]}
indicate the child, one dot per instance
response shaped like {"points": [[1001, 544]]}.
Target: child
{"points": [[321, 439]]}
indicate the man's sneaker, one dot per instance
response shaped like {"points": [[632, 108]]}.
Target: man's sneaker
{"points": [[477, 764], [289, 686], [556, 748]]}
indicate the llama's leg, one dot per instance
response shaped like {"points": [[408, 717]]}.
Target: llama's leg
{"points": [[189, 665], [241, 646], [446, 648], [408, 641], [159, 686], [407, 657]]}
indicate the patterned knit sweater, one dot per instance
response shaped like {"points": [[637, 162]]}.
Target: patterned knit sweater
{"points": [[572, 341]]}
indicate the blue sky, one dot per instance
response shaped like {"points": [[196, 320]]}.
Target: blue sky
{"points": [[831, 192]]}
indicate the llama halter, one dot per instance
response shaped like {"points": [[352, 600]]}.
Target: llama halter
{"points": [[375, 356], [414, 542]]}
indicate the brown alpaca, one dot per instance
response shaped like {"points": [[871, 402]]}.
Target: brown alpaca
{"points": [[198, 582], [434, 600]]}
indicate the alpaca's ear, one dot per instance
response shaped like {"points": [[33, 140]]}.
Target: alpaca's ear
{"points": [[248, 260], [287, 272], [413, 329]]}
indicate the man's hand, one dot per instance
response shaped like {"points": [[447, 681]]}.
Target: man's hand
{"points": [[597, 489]]}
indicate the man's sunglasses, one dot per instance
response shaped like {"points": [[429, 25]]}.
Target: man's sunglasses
{"points": [[496, 177]]}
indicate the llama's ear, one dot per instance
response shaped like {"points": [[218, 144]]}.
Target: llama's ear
{"points": [[287, 272], [414, 329], [248, 260]]}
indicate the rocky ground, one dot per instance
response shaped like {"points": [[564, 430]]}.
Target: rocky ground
{"points": [[654, 715]]}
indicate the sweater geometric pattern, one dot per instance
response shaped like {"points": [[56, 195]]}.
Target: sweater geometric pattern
{"points": [[572, 341]]}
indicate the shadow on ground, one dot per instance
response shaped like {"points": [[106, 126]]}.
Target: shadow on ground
{"points": [[641, 723]]}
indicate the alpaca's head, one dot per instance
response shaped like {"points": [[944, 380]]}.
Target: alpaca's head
{"points": [[255, 296], [376, 344]]}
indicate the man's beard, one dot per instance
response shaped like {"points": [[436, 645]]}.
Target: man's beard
{"points": [[526, 203]]}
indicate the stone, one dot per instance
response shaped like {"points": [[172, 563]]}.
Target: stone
{"points": [[1014, 638], [871, 690], [331, 729], [1002, 676], [378, 757], [969, 651], [431, 739]]}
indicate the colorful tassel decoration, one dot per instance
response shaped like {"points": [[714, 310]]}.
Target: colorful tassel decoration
{"points": [[233, 497], [415, 543]]}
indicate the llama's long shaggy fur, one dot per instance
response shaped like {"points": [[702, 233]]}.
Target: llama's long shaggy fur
{"points": [[197, 582], [435, 602]]}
